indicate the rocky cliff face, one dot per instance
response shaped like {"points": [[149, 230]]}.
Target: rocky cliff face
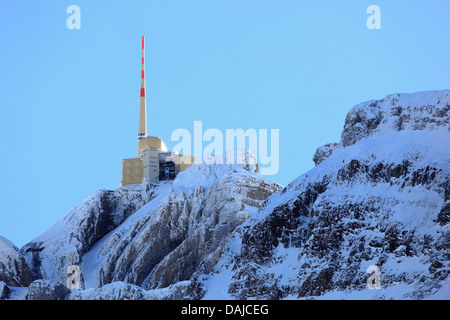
{"points": [[379, 197], [13, 269], [65, 243], [181, 232]]}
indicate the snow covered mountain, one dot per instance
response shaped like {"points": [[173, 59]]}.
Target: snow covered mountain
{"points": [[379, 199], [138, 240]]}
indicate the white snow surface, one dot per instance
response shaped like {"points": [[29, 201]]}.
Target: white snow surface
{"points": [[7, 249]]}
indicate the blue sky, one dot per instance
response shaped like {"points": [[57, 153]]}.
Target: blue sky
{"points": [[69, 99]]}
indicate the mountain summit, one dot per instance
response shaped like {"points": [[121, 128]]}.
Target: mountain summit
{"points": [[373, 213]]}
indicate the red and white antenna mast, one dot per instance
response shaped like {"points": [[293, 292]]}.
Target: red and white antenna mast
{"points": [[142, 133]]}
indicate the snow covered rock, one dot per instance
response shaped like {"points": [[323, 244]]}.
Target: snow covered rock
{"points": [[381, 198], [69, 239], [13, 269], [126, 291], [418, 111], [324, 152], [46, 290], [396, 112], [181, 232]]}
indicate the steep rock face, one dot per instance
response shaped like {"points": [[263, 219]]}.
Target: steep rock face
{"points": [[379, 199], [182, 232], [13, 269], [69, 239]]}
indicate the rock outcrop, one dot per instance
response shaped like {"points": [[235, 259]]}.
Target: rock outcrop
{"points": [[396, 112], [46, 290], [14, 270], [324, 152]]}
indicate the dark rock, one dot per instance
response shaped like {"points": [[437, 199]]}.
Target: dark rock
{"points": [[14, 270], [282, 226], [34, 248], [317, 283], [358, 123], [324, 152], [46, 290], [4, 291]]}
